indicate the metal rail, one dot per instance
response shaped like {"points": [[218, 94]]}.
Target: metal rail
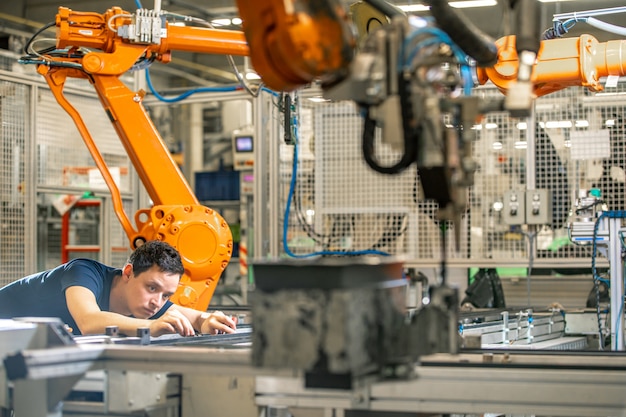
{"points": [[541, 383]]}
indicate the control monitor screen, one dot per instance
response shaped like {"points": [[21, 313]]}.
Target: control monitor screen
{"points": [[243, 144]]}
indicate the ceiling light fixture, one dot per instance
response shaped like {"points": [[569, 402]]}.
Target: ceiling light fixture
{"points": [[221, 22], [557, 124], [413, 7], [252, 76], [473, 3], [318, 99], [418, 7], [521, 144]]}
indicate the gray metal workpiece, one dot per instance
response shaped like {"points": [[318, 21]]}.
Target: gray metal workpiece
{"points": [[336, 320]]}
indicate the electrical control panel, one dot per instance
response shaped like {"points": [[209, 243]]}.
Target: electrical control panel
{"points": [[538, 207], [514, 209], [527, 207], [243, 149]]}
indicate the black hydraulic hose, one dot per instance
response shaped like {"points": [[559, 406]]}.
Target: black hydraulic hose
{"points": [[39, 32], [369, 127], [287, 121], [410, 131], [528, 31], [464, 33]]}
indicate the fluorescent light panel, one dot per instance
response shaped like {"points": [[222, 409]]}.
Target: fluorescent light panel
{"points": [[252, 76], [555, 124], [318, 99], [226, 22], [521, 144], [413, 7], [221, 22], [473, 3], [418, 7]]}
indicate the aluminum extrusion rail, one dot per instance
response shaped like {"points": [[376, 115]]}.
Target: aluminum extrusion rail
{"points": [[492, 382], [509, 382], [64, 361], [58, 362]]}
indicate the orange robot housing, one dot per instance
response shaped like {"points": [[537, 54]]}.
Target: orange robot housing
{"points": [[561, 63], [200, 234]]}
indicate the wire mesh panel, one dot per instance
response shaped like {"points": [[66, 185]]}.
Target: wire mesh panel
{"points": [[341, 205], [348, 205], [14, 132], [586, 131], [62, 157], [65, 167], [574, 142], [501, 153], [7, 61], [119, 246]]}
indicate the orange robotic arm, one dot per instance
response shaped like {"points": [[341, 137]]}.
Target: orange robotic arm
{"points": [[561, 63], [201, 235], [294, 42]]}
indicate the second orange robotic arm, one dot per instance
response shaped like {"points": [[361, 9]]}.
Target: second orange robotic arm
{"points": [[561, 63]]}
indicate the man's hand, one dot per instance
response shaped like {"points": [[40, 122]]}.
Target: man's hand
{"points": [[217, 322], [172, 321]]}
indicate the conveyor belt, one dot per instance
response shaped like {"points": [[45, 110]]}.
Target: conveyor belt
{"points": [[512, 382]]}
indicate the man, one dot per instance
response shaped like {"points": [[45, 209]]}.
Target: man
{"points": [[89, 296]]}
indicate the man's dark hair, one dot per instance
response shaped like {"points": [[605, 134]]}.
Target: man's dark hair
{"points": [[156, 252]]}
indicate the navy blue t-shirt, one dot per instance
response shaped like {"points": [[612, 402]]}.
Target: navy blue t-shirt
{"points": [[43, 294]]}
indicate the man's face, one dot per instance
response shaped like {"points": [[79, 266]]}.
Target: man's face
{"points": [[148, 291]]}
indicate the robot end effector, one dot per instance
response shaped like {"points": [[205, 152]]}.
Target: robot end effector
{"points": [[413, 82]]}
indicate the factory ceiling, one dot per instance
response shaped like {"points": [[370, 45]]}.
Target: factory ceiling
{"points": [[19, 18]]}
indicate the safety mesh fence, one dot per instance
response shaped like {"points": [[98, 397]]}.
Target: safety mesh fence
{"points": [[44, 160], [14, 134], [339, 204]]}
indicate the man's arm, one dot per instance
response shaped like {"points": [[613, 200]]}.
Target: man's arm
{"points": [[84, 308], [208, 323]]}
